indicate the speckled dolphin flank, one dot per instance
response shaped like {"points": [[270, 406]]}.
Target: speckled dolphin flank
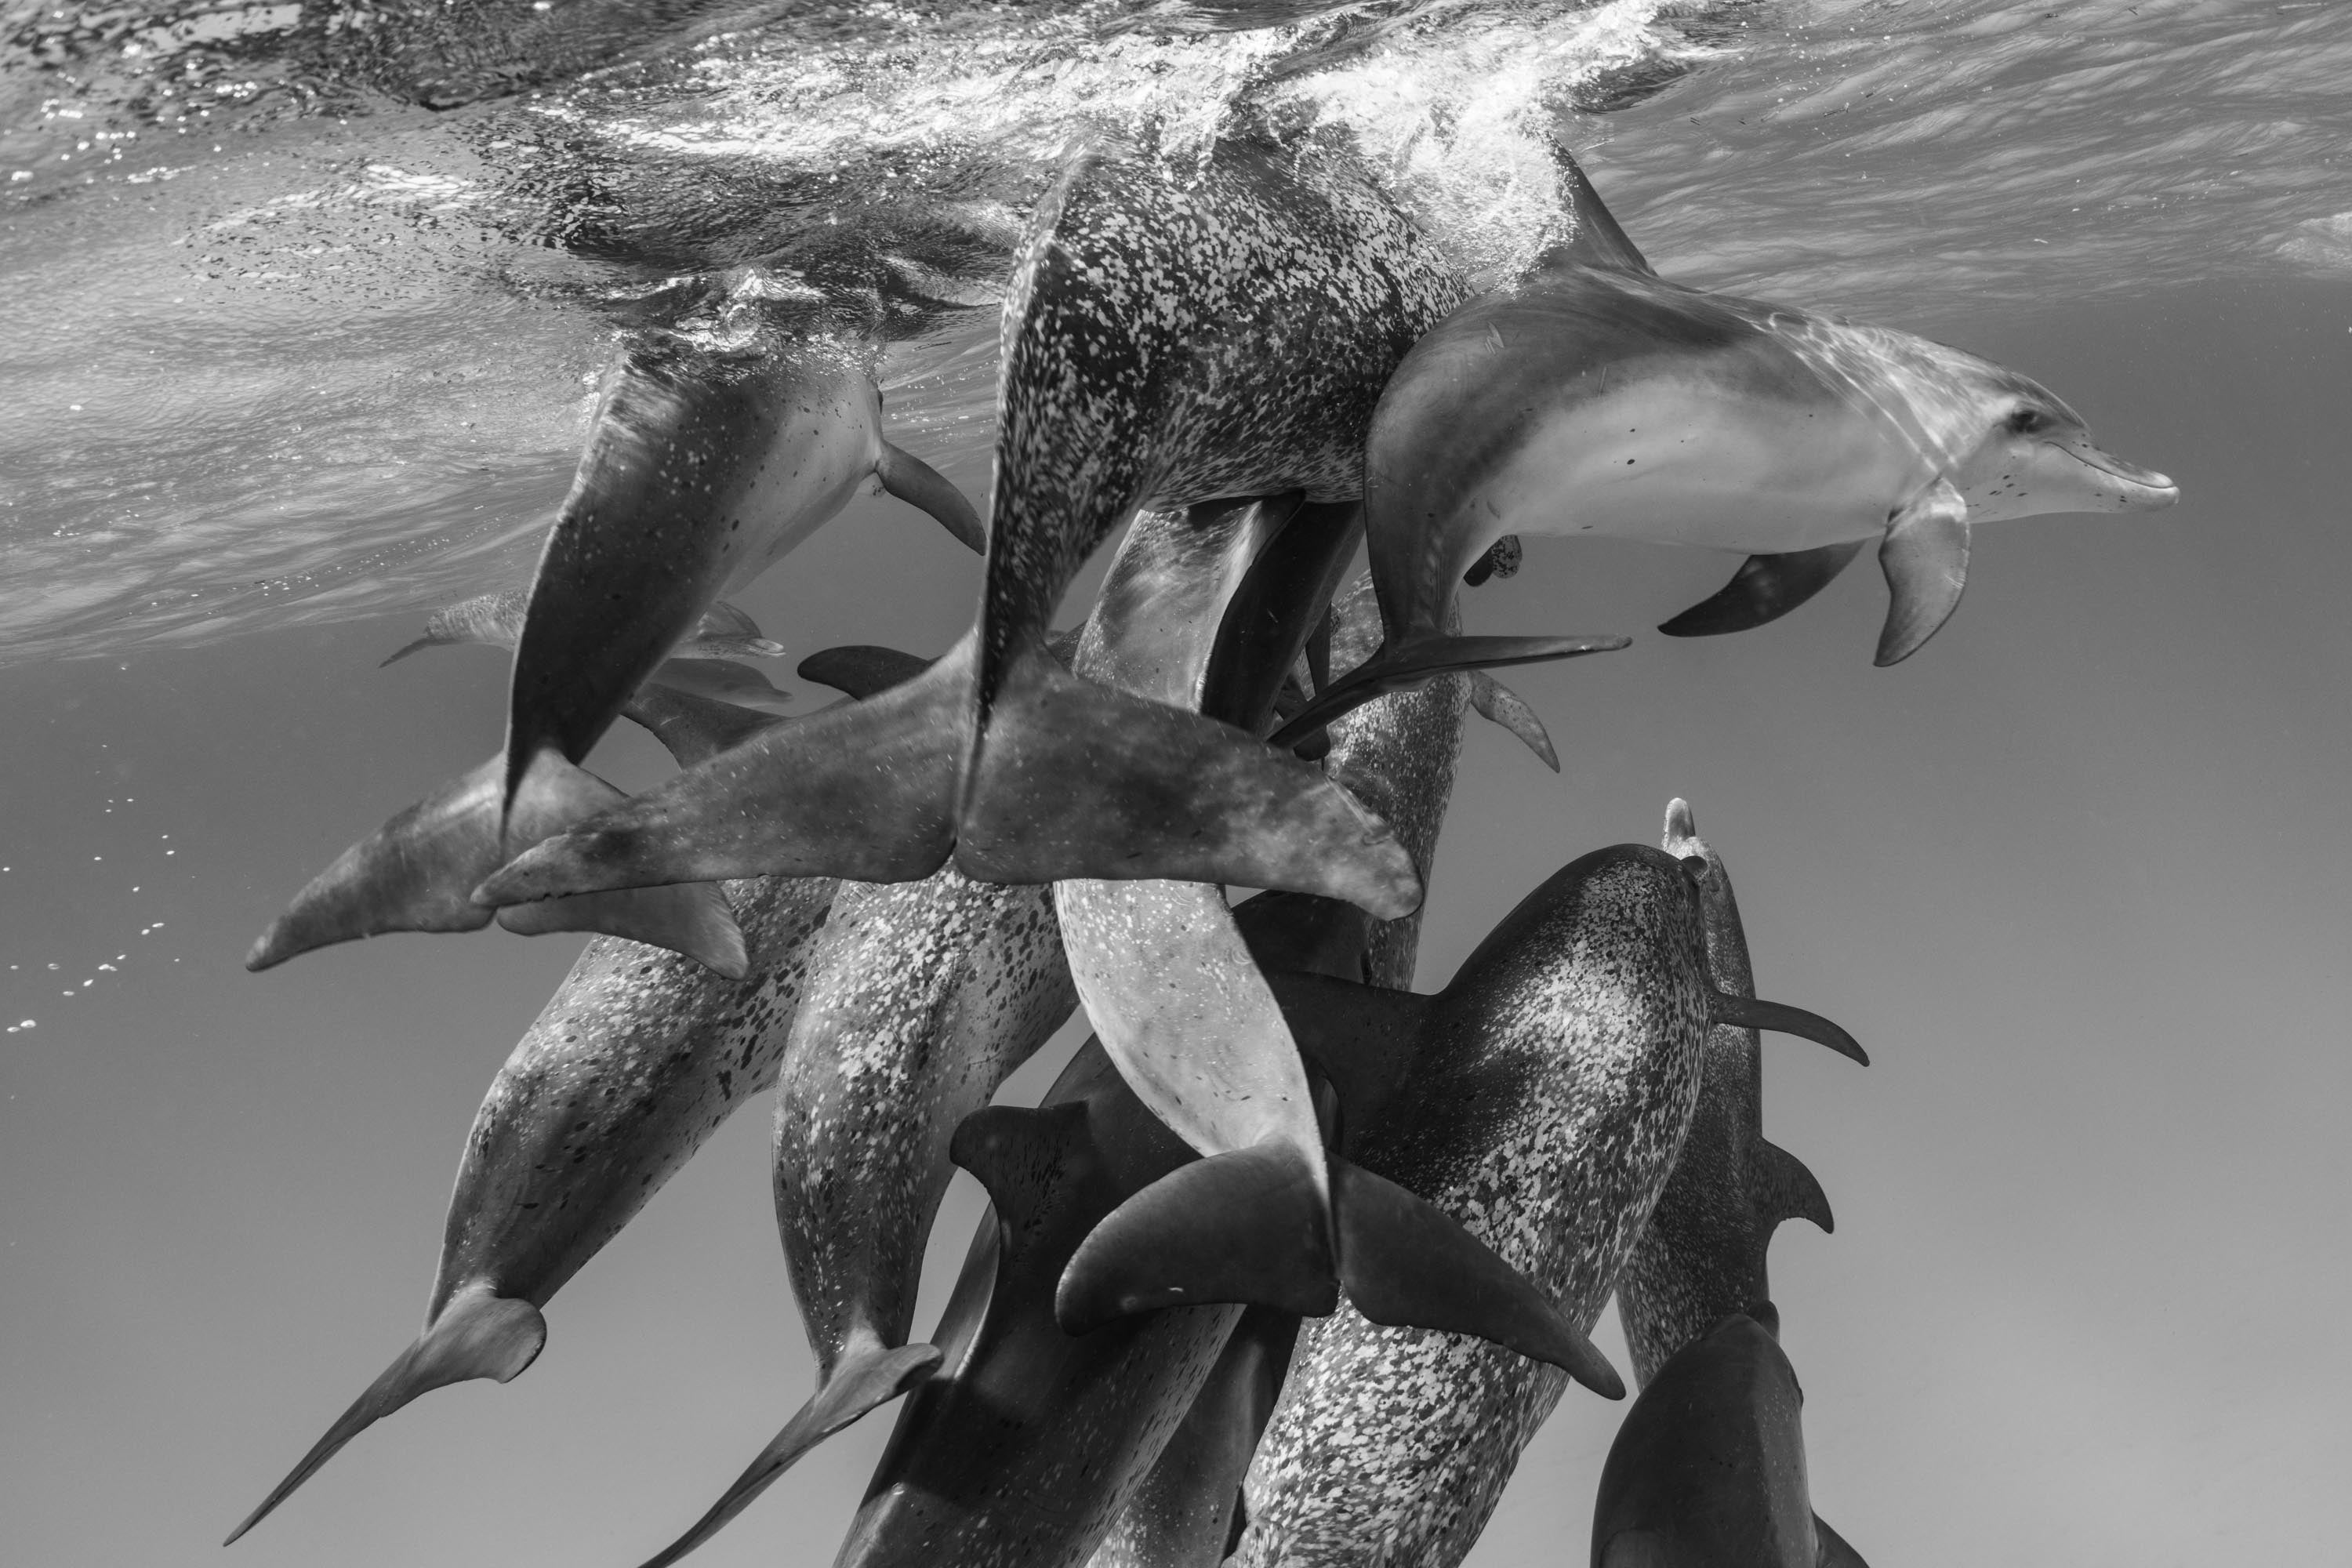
{"points": [[635, 1061], [1595, 397], [1543, 1099], [1708, 1469], [1171, 338]]}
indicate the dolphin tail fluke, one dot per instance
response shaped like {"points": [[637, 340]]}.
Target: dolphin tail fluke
{"points": [[861, 1380], [478, 1334], [865, 790], [918, 484], [1498, 704], [1405, 1262], [1764, 588], [1079, 781], [1829, 1548], [1423, 658], [1749, 1012], [1252, 1226], [1784, 1189]]}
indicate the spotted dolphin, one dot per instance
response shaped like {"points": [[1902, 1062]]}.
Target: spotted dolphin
{"points": [[1542, 1101], [634, 1062], [1172, 337], [1593, 397], [1708, 1469], [495, 620]]}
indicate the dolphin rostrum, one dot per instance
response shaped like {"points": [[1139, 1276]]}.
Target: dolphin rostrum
{"points": [[1708, 1469], [1172, 337], [1593, 397], [634, 1062], [1543, 1099]]}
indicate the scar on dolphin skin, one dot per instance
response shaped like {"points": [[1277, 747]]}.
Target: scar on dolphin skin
{"points": [[1609, 402]]}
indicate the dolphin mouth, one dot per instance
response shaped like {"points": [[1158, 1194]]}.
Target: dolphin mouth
{"points": [[2160, 489]]}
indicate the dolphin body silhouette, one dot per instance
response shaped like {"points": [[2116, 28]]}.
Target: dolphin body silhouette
{"points": [[1593, 397], [632, 1065], [1170, 339], [1543, 1098]]}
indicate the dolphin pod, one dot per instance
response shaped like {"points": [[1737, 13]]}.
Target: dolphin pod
{"points": [[1544, 1095], [1609, 402], [714, 452], [1168, 340]]}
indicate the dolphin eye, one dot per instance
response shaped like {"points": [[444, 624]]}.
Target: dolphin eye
{"points": [[2026, 421]]}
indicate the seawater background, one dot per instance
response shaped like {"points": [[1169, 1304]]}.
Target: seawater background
{"points": [[2075, 873]]}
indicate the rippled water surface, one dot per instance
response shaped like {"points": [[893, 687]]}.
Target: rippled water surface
{"points": [[306, 302]]}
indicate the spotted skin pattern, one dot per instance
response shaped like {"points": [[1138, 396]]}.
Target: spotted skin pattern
{"points": [[1176, 334], [636, 1060], [1548, 1095], [923, 997]]}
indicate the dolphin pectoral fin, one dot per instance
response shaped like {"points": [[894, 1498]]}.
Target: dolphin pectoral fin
{"points": [[1925, 559], [860, 1381], [1249, 1226], [721, 679], [1360, 1037], [693, 917], [1764, 588], [861, 669], [918, 484], [1498, 704], [865, 790], [695, 729], [1784, 1189], [1424, 657], [411, 874], [1829, 1548], [1076, 781], [1407, 1263], [1749, 1012], [478, 1334]]}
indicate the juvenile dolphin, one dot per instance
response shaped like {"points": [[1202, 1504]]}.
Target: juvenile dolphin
{"points": [[1542, 1100], [1703, 1256], [1595, 397], [725, 631], [1708, 1469], [1172, 337], [1026, 1444], [634, 1061]]}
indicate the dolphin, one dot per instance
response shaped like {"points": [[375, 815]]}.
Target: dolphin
{"points": [[495, 619], [1703, 1256], [1708, 1469], [634, 1062], [1542, 1097], [1028, 1441], [717, 448], [1172, 337], [1593, 397]]}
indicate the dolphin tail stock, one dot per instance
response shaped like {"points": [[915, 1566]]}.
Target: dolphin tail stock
{"points": [[1498, 704], [1076, 780], [865, 790], [1925, 559], [1424, 656], [862, 1380], [1749, 1012], [1829, 1548], [1764, 588], [477, 1334], [414, 873], [921, 486], [1784, 1189]]}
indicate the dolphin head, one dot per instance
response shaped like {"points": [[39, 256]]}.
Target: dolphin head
{"points": [[2033, 454]]}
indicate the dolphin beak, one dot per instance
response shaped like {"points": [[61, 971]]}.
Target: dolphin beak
{"points": [[2136, 489]]}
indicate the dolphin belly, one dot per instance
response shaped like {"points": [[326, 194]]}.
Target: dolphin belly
{"points": [[825, 445]]}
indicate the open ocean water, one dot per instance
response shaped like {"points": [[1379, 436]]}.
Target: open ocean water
{"points": [[301, 309]]}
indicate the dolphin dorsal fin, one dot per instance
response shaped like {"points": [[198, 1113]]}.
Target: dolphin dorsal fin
{"points": [[727, 620], [693, 728], [1829, 1550], [1360, 1037], [1017, 1153], [861, 669], [1784, 1189], [1597, 240]]}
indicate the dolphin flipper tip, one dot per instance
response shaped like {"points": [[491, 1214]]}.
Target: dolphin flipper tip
{"points": [[1407, 1262], [478, 1334], [1252, 1226], [1498, 704]]}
